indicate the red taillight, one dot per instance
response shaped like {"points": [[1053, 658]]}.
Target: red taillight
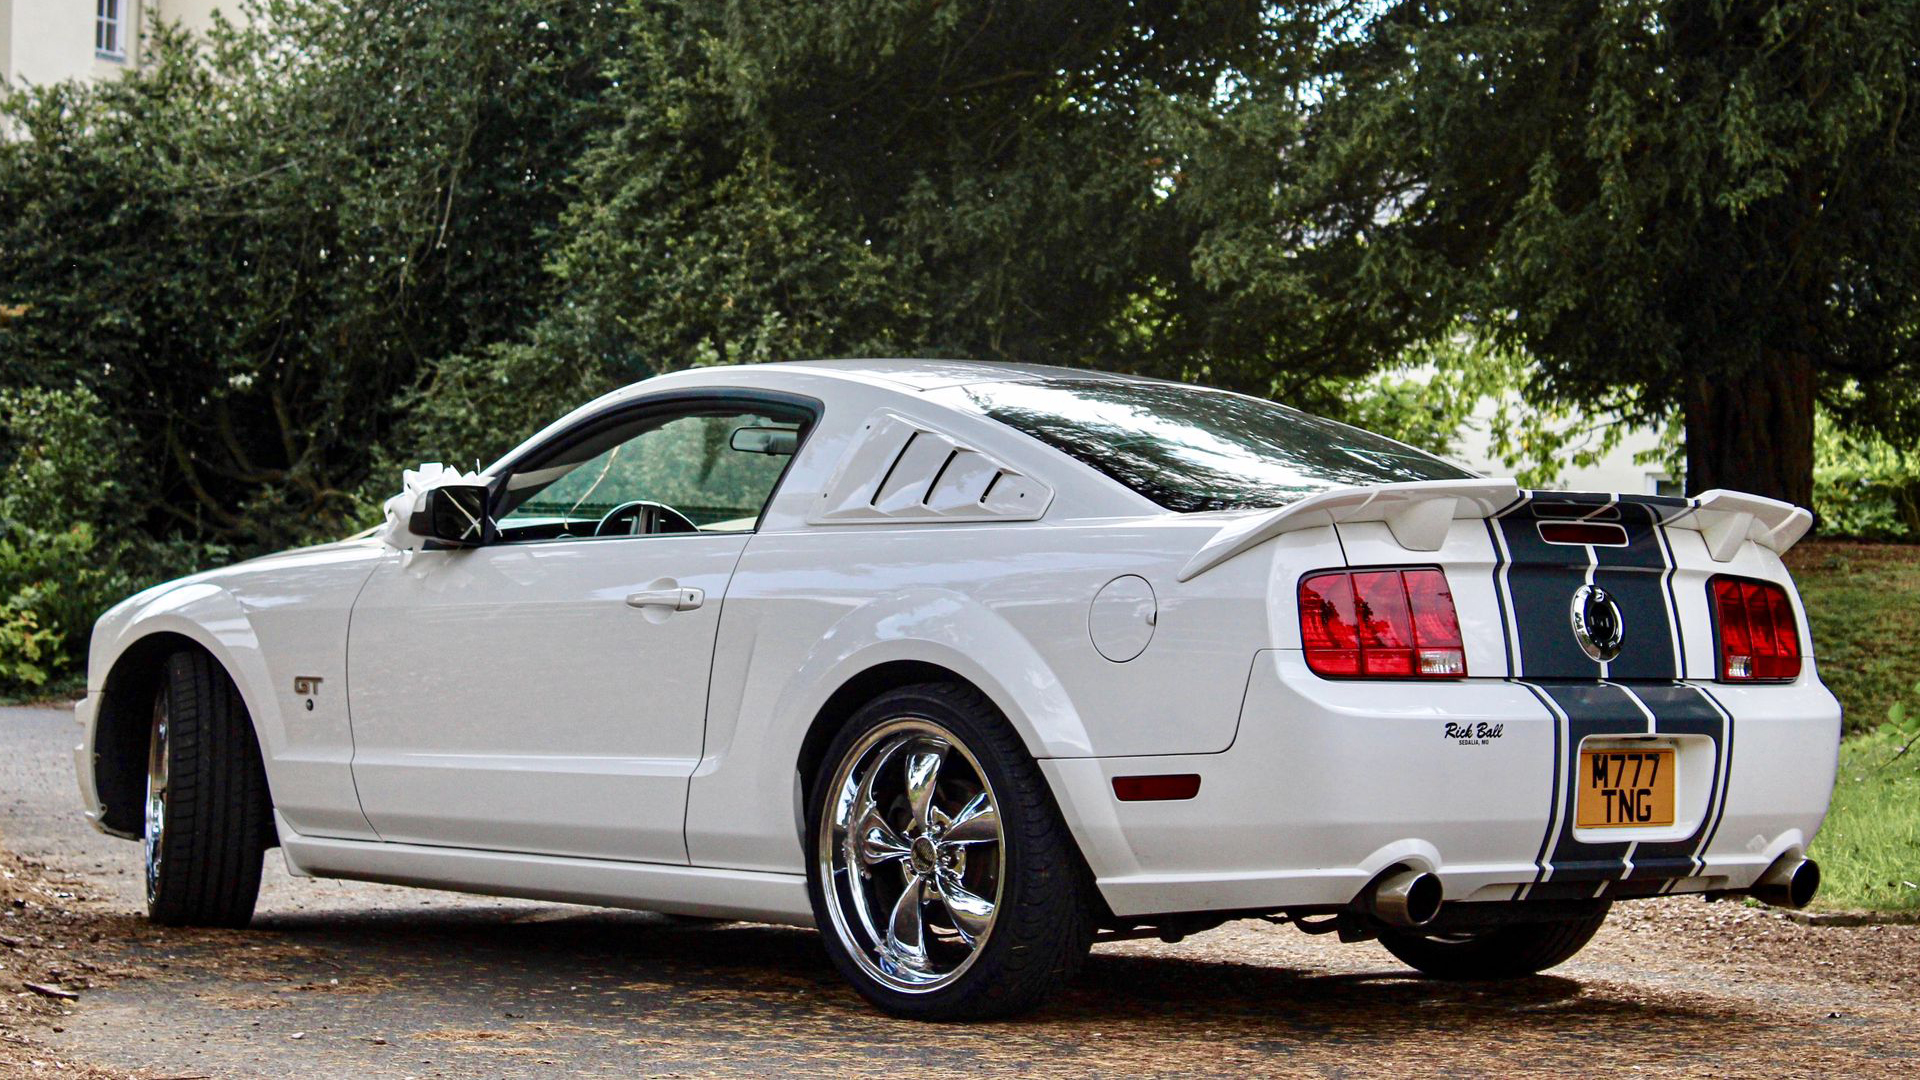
{"points": [[1326, 624], [1759, 638], [1381, 624]]}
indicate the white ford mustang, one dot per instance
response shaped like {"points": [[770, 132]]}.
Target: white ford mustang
{"points": [[970, 665]]}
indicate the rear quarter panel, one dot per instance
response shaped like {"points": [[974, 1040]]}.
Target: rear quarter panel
{"points": [[1004, 606]]}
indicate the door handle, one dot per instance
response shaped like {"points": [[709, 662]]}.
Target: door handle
{"points": [[680, 599]]}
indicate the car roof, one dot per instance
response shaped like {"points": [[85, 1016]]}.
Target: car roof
{"points": [[924, 375], [898, 375]]}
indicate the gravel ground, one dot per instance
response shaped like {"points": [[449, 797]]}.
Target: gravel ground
{"points": [[344, 979]]}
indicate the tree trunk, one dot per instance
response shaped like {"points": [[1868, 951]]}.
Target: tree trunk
{"points": [[1754, 432]]}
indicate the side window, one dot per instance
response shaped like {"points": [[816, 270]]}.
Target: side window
{"points": [[700, 469]]}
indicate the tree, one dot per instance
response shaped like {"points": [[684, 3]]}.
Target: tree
{"points": [[248, 250], [1670, 204], [1041, 182]]}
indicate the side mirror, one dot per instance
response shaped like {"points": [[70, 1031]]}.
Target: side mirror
{"points": [[777, 441], [437, 507], [454, 515]]}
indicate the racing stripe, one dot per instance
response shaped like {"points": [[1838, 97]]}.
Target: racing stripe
{"points": [[1635, 576], [1539, 580], [1591, 709], [1718, 810], [1502, 588], [1534, 583], [1683, 710], [1570, 868], [1553, 790], [1665, 508]]}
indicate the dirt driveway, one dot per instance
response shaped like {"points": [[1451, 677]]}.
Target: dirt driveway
{"points": [[338, 979]]}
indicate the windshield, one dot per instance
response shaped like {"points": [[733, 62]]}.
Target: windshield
{"points": [[1192, 449]]}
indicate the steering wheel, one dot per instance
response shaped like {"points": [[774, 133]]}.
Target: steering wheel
{"points": [[643, 518]]}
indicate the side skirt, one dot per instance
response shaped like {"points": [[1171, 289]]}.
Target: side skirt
{"points": [[676, 890]]}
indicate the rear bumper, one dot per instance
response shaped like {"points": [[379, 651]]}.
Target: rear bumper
{"points": [[1328, 783]]}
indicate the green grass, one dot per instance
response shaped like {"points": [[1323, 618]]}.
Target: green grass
{"points": [[1869, 849], [1863, 601], [1863, 604]]}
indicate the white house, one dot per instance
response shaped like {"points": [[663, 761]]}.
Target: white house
{"points": [[49, 41], [1615, 471]]}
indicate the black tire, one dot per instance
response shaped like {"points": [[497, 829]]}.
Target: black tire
{"points": [[1505, 952], [1042, 924], [216, 818]]}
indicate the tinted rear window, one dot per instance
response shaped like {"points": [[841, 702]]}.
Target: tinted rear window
{"points": [[1192, 449]]}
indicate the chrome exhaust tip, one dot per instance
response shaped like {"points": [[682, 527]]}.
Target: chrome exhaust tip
{"points": [[1405, 898], [1789, 883]]}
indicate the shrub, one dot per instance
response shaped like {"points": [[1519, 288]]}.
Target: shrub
{"points": [[1864, 486]]}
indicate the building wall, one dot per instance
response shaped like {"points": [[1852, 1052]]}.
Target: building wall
{"points": [[1616, 470], [195, 15], [49, 41]]}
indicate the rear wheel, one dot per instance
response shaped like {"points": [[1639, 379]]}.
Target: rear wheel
{"points": [[1501, 952], [943, 880], [208, 815]]}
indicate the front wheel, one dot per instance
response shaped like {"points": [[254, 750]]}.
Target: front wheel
{"points": [[1501, 952], [943, 880], [207, 810]]}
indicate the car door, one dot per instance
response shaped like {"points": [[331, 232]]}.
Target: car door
{"points": [[546, 692]]}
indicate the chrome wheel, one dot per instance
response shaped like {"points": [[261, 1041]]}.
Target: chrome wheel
{"points": [[910, 855], [158, 743]]}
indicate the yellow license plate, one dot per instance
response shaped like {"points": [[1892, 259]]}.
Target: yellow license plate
{"points": [[1623, 788]]}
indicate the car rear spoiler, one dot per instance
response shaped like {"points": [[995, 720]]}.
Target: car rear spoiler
{"points": [[1728, 518], [1420, 513]]}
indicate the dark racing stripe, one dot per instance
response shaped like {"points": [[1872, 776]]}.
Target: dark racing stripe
{"points": [[1635, 577], [1718, 809], [1567, 867], [1540, 580], [1553, 792], [1673, 602], [1500, 593], [1591, 709], [1683, 710], [1534, 583]]}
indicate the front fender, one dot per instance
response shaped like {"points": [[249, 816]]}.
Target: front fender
{"points": [[205, 615], [278, 628]]}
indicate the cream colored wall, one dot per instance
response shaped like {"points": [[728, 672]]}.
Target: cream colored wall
{"points": [[6, 41], [195, 15], [48, 41]]}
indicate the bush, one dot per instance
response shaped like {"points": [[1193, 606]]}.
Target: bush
{"points": [[68, 547], [25, 645], [1865, 487], [50, 588]]}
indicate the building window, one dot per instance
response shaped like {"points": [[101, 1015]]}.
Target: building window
{"points": [[110, 28]]}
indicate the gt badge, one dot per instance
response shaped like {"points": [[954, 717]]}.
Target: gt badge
{"points": [[307, 686], [1596, 623]]}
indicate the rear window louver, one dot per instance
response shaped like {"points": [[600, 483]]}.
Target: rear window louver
{"points": [[900, 471]]}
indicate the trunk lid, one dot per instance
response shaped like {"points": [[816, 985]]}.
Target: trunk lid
{"points": [[1550, 585], [1605, 609]]}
